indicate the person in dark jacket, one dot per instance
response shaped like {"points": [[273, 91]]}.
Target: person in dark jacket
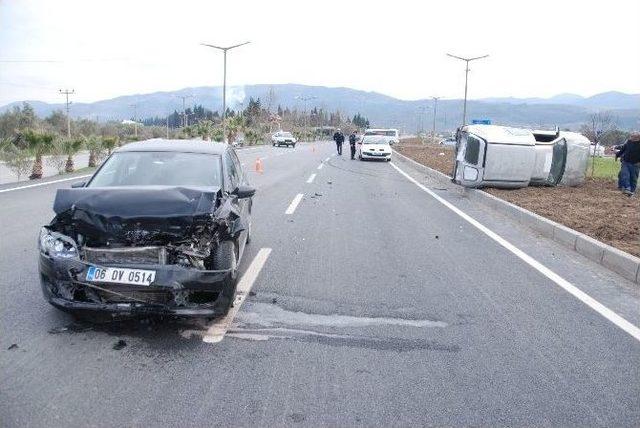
{"points": [[352, 143], [338, 137], [629, 154]]}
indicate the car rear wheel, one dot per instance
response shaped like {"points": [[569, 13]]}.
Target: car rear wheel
{"points": [[293, 145]]}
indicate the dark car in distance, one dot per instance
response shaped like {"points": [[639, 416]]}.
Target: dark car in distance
{"points": [[159, 228]]}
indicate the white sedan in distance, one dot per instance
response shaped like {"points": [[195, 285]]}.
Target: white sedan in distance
{"points": [[374, 147], [283, 138]]}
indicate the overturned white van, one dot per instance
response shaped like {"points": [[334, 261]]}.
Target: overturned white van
{"points": [[500, 156]]}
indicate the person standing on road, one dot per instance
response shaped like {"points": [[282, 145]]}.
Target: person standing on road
{"points": [[352, 143], [338, 137], [629, 154]]}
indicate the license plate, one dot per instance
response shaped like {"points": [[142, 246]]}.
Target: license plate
{"points": [[121, 275]]}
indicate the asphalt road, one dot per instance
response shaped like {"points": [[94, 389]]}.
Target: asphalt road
{"points": [[377, 305]]}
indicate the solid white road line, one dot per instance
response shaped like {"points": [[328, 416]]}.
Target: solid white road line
{"points": [[216, 331], [294, 204], [320, 166], [45, 183], [563, 283], [327, 159], [311, 178]]}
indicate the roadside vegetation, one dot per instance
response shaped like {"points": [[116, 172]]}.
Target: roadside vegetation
{"points": [[28, 142], [596, 208]]}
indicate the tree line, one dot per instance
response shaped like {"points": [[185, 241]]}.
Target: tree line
{"points": [[28, 141]]}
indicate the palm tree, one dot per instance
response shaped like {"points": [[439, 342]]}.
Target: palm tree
{"points": [[38, 144], [205, 129], [110, 143], [235, 125], [94, 145], [71, 146]]}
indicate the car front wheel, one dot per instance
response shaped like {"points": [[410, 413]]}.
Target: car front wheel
{"points": [[225, 258]]}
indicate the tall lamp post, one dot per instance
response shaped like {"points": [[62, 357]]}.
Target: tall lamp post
{"points": [[466, 79], [435, 110], [224, 83]]}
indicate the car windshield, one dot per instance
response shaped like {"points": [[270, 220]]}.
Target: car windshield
{"points": [[374, 139], [382, 132], [159, 169], [285, 134]]}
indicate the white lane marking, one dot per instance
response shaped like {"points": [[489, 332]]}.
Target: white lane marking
{"points": [[216, 331], [327, 159], [560, 281], [311, 178], [320, 166], [45, 183], [294, 204]]}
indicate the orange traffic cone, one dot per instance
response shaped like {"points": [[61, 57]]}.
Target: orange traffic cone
{"points": [[258, 166]]}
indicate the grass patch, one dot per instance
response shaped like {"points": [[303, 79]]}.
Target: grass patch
{"points": [[606, 168]]}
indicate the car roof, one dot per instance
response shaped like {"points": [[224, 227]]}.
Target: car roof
{"points": [[182, 146]]}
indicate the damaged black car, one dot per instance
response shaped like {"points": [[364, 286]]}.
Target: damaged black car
{"points": [[160, 228]]}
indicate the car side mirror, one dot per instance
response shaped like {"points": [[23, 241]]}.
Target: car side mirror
{"points": [[244, 192], [78, 184]]}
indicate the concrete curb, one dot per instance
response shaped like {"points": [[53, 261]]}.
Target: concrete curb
{"points": [[615, 260]]}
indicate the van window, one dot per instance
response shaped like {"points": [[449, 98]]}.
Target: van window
{"points": [[472, 152]]}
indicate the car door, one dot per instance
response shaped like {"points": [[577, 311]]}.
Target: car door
{"points": [[233, 179], [244, 205], [469, 165]]}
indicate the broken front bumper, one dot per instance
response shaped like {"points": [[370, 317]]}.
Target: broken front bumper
{"points": [[176, 290]]}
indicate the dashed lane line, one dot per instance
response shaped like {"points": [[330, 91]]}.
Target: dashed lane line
{"points": [[311, 178], [294, 204]]}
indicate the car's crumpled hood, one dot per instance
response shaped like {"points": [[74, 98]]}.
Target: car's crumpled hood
{"points": [[135, 202], [139, 215]]}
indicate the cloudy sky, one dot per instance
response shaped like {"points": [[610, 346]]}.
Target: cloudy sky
{"points": [[104, 49]]}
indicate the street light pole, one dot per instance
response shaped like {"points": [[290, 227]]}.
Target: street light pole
{"points": [[224, 83], [466, 79], [68, 92], [135, 119], [435, 110]]}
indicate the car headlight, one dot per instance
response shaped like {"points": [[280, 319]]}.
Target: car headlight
{"points": [[56, 244]]}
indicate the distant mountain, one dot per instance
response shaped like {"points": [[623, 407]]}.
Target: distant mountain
{"points": [[564, 110]]}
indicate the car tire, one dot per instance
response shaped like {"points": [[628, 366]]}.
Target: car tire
{"points": [[274, 144], [225, 257], [293, 146]]}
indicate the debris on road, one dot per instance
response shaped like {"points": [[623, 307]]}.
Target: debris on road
{"points": [[120, 344], [13, 346]]}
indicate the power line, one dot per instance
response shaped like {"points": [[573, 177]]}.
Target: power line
{"points": [[66, 93]]}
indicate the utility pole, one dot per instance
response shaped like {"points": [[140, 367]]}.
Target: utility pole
{"points": [[135, 119], [224, 84], [466, 78], [305, 99], [435, 111], [67, 92], [184, 110]]}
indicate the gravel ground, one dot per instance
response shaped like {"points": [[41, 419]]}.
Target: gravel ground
{"points": [[596, 208]]}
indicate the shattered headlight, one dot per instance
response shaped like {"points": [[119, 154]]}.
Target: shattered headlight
{"points": [[55, 244]]}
